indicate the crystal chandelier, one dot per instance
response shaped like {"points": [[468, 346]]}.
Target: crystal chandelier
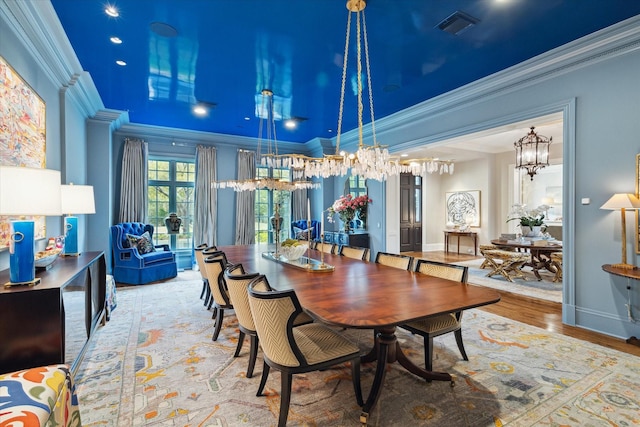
{"points": [[532, 152], [369, 161], [271, 159]]}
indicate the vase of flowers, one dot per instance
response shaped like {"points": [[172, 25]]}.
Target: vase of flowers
{"points": [[531, 222], [348, 207]]}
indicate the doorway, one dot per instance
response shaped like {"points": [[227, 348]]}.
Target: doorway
{"points": [[410, 213]]}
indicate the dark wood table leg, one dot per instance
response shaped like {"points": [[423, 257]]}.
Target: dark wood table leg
{"points": [[387, 350]]}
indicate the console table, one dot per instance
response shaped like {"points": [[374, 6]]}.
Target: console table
{"points": [[458, 234], [357, 238], [52, 322], [629, 273]]}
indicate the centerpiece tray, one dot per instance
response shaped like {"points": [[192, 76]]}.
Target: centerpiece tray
{"points": [[303, 263]]}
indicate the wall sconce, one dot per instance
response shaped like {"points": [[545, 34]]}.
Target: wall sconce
{"points": [[27, 192], [76, 199]]}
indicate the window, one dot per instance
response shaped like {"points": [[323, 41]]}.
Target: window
{"points": [[356, 186], [171, 187], [265, 206]]}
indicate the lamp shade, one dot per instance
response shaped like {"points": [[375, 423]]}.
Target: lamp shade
{"points": [[78, 199], [29, 191], [622, 201]]}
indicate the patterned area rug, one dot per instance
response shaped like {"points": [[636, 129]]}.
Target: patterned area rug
{"points": [[154, 364], [529, 286]]}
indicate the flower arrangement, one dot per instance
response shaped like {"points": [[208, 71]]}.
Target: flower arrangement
{"points": [[347, 206], [532, 218]]}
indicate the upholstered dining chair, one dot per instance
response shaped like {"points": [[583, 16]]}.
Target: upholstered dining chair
{"points": [[394, 260], [198, 250], [354, 252], [432, 327], [237, 286], [327, 248], [215, 264], [293, 350]]}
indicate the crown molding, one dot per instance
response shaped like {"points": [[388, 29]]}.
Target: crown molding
{"points": [[36, 25]]}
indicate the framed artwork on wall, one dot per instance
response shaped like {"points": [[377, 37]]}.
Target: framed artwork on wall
{"points": [[22, 133], [463, 207]]}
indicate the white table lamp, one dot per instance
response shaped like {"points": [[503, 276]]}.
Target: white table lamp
{"points": [[26, 192], [623, 202], [76, 199]]}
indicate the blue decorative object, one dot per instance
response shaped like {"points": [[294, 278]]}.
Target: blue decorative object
{"points": [[130, 266], [71, 237], [22, 264], [301, 224]]}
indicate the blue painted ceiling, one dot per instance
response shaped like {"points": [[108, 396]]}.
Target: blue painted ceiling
{"points": [[224, 52]]}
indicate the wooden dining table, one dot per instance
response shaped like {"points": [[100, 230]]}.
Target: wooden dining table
{"points": [[366, 295]]}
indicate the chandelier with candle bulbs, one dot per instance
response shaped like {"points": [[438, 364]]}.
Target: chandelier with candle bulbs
{"points": [[371, 161], [270, 159]]}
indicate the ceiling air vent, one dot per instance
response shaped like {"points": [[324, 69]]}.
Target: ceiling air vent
{"points": [[457, 22]]}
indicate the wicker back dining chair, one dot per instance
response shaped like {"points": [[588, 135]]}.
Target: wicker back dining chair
{"points": [[354, 252], [432, 327], [327, 248], [198, 250], [403, 262], [292, 350], [215, 264]]}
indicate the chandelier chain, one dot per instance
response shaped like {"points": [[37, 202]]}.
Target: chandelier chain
{"points": [[344, 83]]}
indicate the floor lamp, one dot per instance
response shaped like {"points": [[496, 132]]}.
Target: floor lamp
{"points": [[623, 202], [76, 199], [26, 192]]}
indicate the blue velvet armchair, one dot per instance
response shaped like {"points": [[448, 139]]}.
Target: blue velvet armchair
{"points": [[300, 226], [132, 267]]}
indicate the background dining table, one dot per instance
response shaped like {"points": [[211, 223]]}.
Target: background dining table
{"points": [[540, 253], [360, 294]]}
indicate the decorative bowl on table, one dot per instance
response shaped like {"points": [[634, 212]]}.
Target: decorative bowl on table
{"points": [[293, 253], [44, 259]]}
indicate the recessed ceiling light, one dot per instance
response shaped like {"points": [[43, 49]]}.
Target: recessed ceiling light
{"points": [[112, 11], [199, 110], [247, 118], [121, 63], [290, 124], [115, 40], [404, 155]]}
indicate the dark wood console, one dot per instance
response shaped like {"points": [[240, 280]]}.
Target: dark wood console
{"points": [[629, 273], [357, 238], [52, 321]]}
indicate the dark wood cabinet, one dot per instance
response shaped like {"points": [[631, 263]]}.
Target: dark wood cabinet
{"points": [[52, 321], [360, 239]]}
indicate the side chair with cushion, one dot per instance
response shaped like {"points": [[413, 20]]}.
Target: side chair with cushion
{"points": [[199, 260], [432, 327], [354, 252], [292, 350], [210, 250], [136, 260], [394, 260], [237, 285], [327, 248], [215, 264]]}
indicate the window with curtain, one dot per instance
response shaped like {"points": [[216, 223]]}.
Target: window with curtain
{"points": [[265, 206], [171, 189]]}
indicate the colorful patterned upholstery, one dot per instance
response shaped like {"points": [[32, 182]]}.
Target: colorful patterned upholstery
{"points": [[297, 349], [394, 260], [432, 327], [38, 397]]}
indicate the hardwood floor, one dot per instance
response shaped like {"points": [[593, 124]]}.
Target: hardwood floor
{"points": [[536, 312]]}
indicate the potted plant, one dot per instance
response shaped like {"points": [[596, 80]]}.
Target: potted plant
{"points": [[531, 222]]}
